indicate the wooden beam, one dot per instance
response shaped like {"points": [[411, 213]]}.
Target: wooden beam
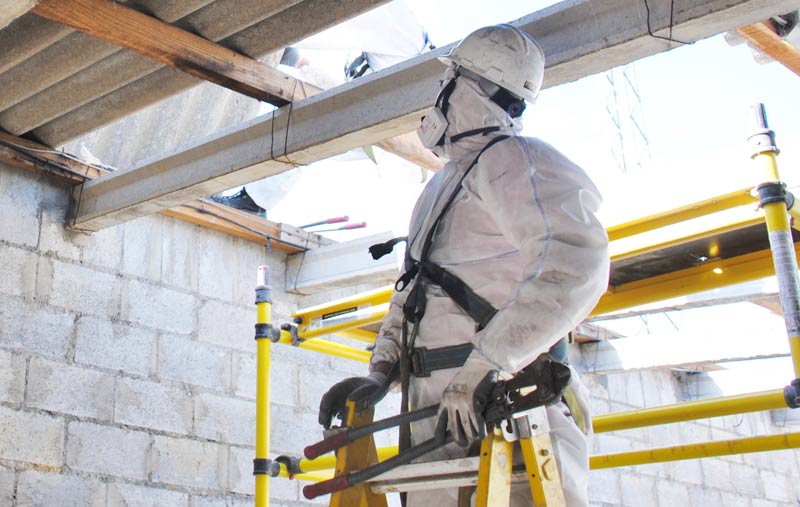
{"points": [[579, 37], [763, 37], [151, 37], [37, 157]]}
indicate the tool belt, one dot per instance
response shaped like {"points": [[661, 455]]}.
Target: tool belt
{"points": [[425, 360]]}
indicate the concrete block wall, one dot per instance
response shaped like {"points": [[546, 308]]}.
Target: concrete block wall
{"points": [[767, 479], [127, 376], [127, 361]]}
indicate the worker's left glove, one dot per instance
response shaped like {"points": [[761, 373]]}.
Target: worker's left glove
{"points": [[464, 400], [365, 391]]}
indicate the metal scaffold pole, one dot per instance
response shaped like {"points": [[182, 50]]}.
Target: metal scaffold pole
{"points": [[776, 201], [263, 337]]}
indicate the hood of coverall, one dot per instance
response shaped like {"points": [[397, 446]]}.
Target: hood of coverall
{"points": [[471, 108]]}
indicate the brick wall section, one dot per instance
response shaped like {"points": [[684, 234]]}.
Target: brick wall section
{"points": [[127, 376]]}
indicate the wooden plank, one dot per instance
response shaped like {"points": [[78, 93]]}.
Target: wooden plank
{"points": [[151, 37], [763, 37], [40, 158]]}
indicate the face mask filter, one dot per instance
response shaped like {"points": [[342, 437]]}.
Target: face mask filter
{"points": [[434, 124]]}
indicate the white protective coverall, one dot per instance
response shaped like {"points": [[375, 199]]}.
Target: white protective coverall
{"points": [[522, 233]]}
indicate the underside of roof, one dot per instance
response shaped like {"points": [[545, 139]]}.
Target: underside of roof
{"points": [[59, 84]]}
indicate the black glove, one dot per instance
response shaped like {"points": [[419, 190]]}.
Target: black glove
{"points": [[365, 391]]}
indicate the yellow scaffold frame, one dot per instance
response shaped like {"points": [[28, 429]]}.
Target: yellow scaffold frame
{"points": [[347, 317]]}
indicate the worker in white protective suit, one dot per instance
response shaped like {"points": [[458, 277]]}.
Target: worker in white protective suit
{"points": [[514, 220]]}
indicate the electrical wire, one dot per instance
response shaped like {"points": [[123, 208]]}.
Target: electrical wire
{"points": [[671, 22], [42, 160], [60, 153]]}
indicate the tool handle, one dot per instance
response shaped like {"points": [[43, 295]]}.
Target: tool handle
{"points": [[324, 446], [323, 488], [336, 220], [357, 225], [760, 115]]}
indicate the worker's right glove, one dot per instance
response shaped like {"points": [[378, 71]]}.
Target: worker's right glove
{"points": [[464, 399], [365, 391]]}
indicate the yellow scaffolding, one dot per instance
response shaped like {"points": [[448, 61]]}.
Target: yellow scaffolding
{"points": [[737, 250]]}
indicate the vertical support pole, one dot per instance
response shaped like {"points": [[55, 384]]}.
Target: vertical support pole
{"points": [[774, 202], [263, 345], [494, 471]]}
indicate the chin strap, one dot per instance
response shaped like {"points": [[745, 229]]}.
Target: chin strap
{"points": [[474, 132]]}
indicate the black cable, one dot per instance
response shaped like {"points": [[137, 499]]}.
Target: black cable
{"points": [[650, 29]]}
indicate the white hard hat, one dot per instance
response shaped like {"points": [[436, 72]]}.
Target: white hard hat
{"points": [[506, 56]]}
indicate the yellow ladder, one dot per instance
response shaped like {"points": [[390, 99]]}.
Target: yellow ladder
{"points": [[495, 473]]}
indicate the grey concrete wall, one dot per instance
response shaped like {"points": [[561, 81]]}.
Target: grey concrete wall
{"points": [[767, 479], [127, 365], [127, 376]]}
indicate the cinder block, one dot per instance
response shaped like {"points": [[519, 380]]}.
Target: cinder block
{"points": [[121, 494], [228, 420], [217, 265], [104, 248], [34, 328], [670, 493], [745, 480], [734, 500], [12, 377], [180, 266], [116, 346], [249, 256], [244, 372], [638, 491], [605, 443], [7, 479], [776, 487], [15, 438], [19, 207], [291, 430], [604, 486], [84, 290], [283, 381], [716, 474], [152, 405], [17, 271], [107, 450], [227, 501], [70, 389], [759, 502], [227, 325], [190, 463], [193, 362], [142, 244], [783, 462], [689, 471], [704, 495], [157, 307], [37, 489]]}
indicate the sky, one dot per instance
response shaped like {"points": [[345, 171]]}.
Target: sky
{"points": [[694, 111]]}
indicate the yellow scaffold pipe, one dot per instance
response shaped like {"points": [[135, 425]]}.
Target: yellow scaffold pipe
{"points": [[698, 450], [327, 347], [774, 200], [263, 344], [690, 411]]}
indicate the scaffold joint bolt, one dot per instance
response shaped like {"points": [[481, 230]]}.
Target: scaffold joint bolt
{"points": [[263, 466]]}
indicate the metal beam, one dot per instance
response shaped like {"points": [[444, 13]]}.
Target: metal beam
{"points": [[580, 37]]}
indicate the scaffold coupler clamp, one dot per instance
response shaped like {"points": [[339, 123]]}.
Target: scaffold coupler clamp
{"points": [[792, 394], [292, 328], [774, 191], [264, 466], [267, 331]]}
